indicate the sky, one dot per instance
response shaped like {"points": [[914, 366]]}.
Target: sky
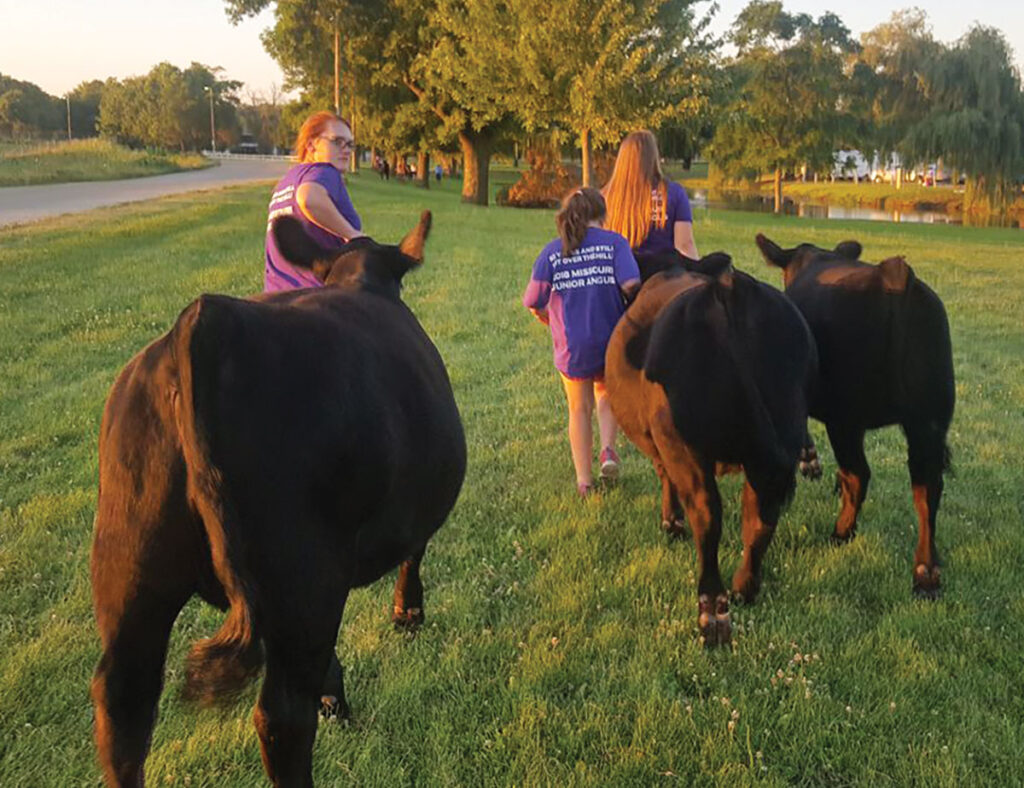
{"points": [[59, 43]]}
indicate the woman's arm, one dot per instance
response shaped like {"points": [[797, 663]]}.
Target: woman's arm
{"points": [[683, 237], [317, 206]]}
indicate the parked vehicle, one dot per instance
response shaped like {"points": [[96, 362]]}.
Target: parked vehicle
{"points": [[246, 144]]}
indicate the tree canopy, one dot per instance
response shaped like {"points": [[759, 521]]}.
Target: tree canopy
{"points": [[788, 88]]}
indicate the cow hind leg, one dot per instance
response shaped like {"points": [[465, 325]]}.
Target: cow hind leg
{"points": [[757, 536], [852, 479], [407, 613], [698, 491], [926, 460], [286, 712], [332, 699], [673, 519], [127, 683]]}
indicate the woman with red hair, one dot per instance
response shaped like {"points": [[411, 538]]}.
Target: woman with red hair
{"points": [[313, 191], [652, 213]]}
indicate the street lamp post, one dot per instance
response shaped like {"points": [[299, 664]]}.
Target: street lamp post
{"points": [[213, 129]]}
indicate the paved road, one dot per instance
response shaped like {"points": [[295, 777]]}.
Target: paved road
{"points": [[26, 203]]}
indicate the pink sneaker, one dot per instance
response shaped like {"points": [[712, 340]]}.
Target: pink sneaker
{"points": [[609, 464]]}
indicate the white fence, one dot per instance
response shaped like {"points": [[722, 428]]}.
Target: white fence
{"points": [[247, 156]]}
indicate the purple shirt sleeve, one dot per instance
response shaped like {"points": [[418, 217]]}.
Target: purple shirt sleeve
{"points": [[329, 177], [626, 269], [538, 291], [678, 205]]}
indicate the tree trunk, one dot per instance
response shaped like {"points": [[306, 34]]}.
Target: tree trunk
{"points": [[899, 178], [777, 190], [588, 174], [476, 159], [423, 169]]}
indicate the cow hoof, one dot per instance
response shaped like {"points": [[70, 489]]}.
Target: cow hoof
{"points": [[407, 620], [676, 528], [809, 464], [713, 620], [926, 582], [836, 539], [745, 586], [331, 708]]}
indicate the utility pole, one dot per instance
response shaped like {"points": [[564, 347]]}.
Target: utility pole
{"points": [[337, 68], [213, 129], [67, 99]]}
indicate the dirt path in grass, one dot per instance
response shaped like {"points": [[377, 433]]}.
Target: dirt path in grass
{"points": [[20, 204]]}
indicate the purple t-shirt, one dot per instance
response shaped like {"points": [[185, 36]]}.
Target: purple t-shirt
{"points": [[661, 239], [583, 296], [279, 274]]}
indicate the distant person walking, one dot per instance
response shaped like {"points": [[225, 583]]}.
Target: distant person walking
{"points": [[576, 289], [438, 171], [314, 192], [652, 213]]}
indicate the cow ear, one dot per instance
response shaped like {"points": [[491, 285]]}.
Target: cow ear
{"points": [[716, 264], [412, 245], [849, 249], [774, 253], [298, 248]]}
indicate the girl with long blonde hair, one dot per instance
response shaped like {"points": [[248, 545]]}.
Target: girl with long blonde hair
{"points": [[653, 214]]}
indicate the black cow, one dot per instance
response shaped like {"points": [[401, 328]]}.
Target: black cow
{"points": [[269, 455], [885, 358], [708, 367]]}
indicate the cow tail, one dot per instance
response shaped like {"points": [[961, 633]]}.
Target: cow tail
{"points": [[776, 473], [219, 667]]}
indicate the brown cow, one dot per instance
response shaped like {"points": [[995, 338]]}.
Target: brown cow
{"points": [[709, 366], [885, 358], [269, 455]]}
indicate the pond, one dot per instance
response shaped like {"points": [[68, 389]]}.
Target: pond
{"points": [[812, 210]]}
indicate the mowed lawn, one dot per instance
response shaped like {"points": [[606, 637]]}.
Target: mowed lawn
{"points": [[560, 646]]}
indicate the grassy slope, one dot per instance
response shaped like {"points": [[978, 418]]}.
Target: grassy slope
{"points": [[560, 645], [87, 160]]}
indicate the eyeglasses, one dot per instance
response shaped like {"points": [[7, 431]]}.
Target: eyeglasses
{"points": [[342, 143]]}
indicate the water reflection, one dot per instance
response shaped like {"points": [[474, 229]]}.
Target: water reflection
{"points": [[813, 210]]}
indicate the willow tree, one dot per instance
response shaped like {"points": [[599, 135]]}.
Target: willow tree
{"points": [[975, 121], [896, 58], [596, 69], [789, 83]]}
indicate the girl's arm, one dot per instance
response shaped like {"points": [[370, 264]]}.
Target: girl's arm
{"points": [[683, 237], [317, 206]]}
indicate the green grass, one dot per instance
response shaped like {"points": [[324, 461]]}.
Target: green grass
{"points": [[560, 646], [87, 160]]}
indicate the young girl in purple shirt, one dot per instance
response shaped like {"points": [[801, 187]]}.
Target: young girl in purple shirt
{"points": [[576, 289]]}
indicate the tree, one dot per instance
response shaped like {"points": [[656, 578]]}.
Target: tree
{"points": [[168, 107], [975, 119], [85, 108], [449, 60], [789, 86], [891, 81], [27, 110], [595, 69]]}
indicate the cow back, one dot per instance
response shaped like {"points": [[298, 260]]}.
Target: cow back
{"points": [[329, 406], [882, 337]]}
